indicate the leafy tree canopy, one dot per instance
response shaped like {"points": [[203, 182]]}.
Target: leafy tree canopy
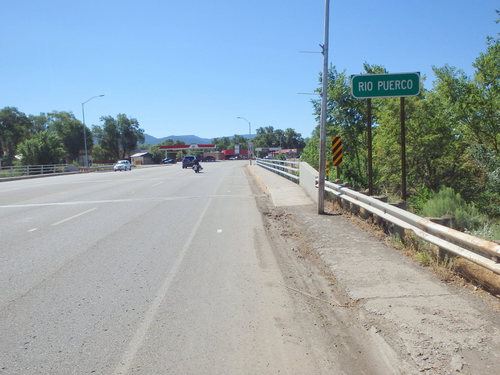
{"points": [[15, 126], [269, 137], [119, 136], [44, 147], [452, 135], [70, 131]]}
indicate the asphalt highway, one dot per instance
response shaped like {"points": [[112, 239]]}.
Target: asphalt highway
{"points": [[154, 271]]}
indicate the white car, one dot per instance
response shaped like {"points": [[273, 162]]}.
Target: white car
{"points": [[122, 165]]}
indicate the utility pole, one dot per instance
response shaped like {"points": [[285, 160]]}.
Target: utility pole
{"points": [[324, 94]]}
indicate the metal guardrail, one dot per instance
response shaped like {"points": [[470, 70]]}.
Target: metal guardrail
{"points": [[482, 252], [38, 170], [28, 170], [289, 169]]}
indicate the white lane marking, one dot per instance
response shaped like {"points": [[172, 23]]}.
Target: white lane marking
{"points": [[33, 229], [74, 216], [159, 199], [158, 183], [138, 339], [219, 230]]}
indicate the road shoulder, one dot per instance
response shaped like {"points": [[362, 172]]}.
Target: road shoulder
{"points": [[419, 323]]}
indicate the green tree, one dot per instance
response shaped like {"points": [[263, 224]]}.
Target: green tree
{"points": [[292, 139], [472, 106], [310, 154], [453, 133], [266, 137], [70, 131], [100, 155], [44, 147], [119, 137], [157, 154], [433, 155], [222, 143], [171, 142], [15, 126], [346, 118], [239, 140], [39, 122]]}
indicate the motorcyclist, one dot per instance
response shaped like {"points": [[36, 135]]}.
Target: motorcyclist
{"points": [[196, 165]]}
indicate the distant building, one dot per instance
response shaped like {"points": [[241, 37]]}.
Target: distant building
{"points": [[288, 152], [141, 158], [232, 153]]}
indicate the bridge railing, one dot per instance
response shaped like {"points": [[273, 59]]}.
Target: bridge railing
{"points": [[480, 251], [28, 170], [285, 168], [46, 169]]}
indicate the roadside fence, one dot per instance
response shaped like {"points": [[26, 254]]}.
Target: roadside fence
{"points": [[28, 170], [48, 169], [285, 168], [480, 251]]}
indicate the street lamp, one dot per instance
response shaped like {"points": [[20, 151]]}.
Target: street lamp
{"points": [[86, 161], [249, 141]]}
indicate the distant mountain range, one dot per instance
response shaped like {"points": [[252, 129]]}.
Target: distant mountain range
{"points": [[187, 139]]}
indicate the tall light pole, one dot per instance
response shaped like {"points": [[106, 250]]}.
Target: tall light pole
{"points": [[249, 141], [322, 132], [86, 161]]}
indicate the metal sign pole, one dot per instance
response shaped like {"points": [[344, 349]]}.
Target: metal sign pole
{"points": [[370, 150], [403, 148]]}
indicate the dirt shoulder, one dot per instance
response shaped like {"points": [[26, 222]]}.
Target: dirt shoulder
{"points": [[377, 306]]}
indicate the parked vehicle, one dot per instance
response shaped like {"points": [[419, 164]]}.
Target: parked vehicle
{"points": [[122, 165], [188, 161], [169, 161], [209, 158]]}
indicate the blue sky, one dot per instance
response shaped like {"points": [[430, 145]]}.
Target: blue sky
{"points": [[192, 67]]}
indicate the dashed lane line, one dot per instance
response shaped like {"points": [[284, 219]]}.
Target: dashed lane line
{"points": [[74, 216]]}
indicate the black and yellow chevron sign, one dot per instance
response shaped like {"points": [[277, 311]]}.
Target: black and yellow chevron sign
{"points": [[337, 152]]}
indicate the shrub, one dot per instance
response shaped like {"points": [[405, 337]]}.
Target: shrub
{"points": [[447, 202]]}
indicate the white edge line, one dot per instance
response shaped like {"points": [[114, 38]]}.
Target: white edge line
{"points": [[74, 216]]}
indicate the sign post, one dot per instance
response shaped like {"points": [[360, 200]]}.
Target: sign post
{"points": [[373, 86], [370, 150], [402, 117]]}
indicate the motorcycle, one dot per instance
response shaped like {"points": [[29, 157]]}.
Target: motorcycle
{"points": [[197, 168]]}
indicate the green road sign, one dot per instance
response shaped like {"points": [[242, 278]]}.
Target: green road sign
{"points": [[365, 86]]}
